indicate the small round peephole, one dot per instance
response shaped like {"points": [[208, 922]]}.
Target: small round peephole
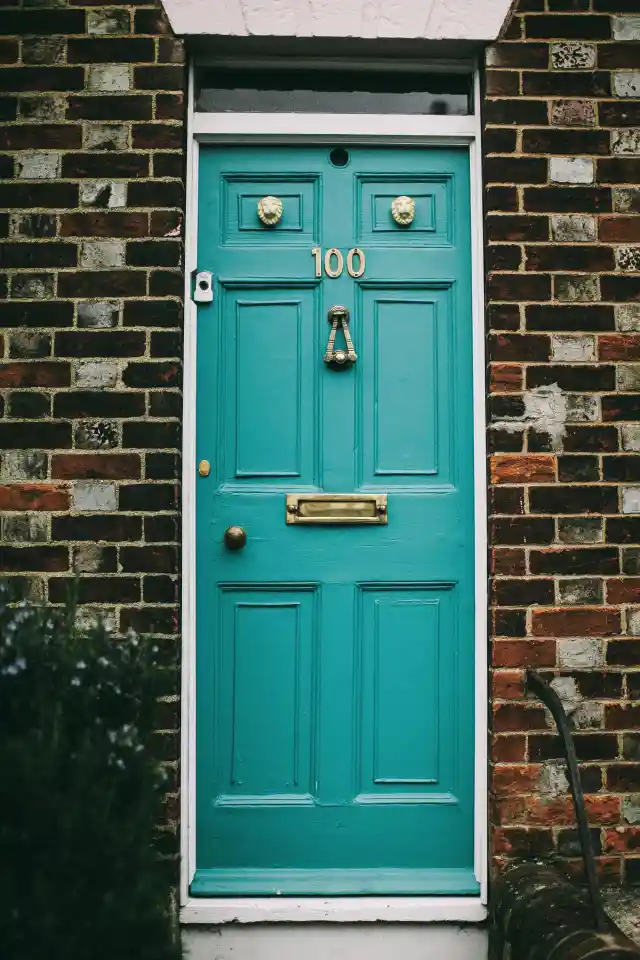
{"points": [[339, 157]]}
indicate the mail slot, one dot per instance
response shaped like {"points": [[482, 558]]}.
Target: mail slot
{"points": [[336, 508]]}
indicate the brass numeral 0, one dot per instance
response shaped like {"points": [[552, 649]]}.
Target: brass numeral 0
{"points": [[336, 271], [356, 252], [328, 269]]}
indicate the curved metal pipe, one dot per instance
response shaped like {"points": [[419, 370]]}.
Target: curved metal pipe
{"points": [[538, 685]]}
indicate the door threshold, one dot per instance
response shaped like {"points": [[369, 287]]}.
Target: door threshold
{"points": [[218, 910]]}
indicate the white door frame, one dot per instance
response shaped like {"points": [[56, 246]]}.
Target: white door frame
{"points": [[334, 128]]}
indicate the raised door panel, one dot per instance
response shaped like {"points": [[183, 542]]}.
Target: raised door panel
{"points": [[432, 225], [242, 225], [269, 381], [408, 661], [265, 694], [406, 413]]}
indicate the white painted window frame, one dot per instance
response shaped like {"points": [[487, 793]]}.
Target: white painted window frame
{"points": [[331, 128]]}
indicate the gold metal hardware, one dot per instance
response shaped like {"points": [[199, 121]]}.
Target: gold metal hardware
{"points": [[235, 538], [337, 508], [270, 210], [204, 468], [334, 253], [339, 317], [403, 210]]}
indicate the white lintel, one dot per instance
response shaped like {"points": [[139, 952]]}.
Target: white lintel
{"points": [[479, 21]]}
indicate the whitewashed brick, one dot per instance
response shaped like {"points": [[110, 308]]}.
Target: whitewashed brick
{"points": [[570, 348], [103, 193], [575, 228], [630, 499], [628, 377], [628, 317], [626, 83], [625, 142], [96, 374], [98, 315], [625, 28], [576, 287], [628, 258], [38, 166], [630, 437], [566, 55], [571, 170], [106, 136], [582, 653], [109, 77], [105, 22], [98, 254], [94, 496], [23, 465]]}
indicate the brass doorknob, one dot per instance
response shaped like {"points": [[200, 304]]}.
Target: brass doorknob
{"points": [[235, 538]]}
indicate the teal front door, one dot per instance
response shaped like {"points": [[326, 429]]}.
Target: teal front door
{"points": [[335, 660]]}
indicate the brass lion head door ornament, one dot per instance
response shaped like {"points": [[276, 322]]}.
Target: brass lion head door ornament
{"points": [[403, 210], [270, 211], [339, 317]]}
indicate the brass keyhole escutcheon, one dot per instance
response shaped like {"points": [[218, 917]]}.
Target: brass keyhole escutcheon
{"points": [[235, 538], [204, 468]]}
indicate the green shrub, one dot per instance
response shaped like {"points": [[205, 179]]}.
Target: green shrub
{"points": [[80, 794]]}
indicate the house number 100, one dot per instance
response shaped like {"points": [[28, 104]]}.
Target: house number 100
{"points": [[334, 262]]}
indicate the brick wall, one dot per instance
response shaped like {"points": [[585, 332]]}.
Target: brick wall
{"points": [[562, 143], [91, 161]]}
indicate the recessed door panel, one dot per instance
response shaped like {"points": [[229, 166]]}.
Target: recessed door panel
{"points": [[335, 580]]}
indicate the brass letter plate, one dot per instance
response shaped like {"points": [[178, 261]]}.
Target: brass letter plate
{"points": [[336, 508]]}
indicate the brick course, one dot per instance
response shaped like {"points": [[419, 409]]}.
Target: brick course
{"points": [[562, 158], [91, 161]]}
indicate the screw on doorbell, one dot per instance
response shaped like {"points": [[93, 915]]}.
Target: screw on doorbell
{"points": [[203, 287]]}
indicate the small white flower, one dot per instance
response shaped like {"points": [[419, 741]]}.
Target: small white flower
{"points": [[75, 681]]}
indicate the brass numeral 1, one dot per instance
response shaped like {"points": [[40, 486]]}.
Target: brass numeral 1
{"points": [[336, 271]]}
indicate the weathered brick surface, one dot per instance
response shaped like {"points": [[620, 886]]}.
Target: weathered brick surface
{"points": [[562, 159], [91, 189]]}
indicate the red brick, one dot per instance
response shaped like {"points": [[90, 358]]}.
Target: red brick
{"points": [[625, 590], [619, 348], [524, 653], [508, 562], [523, 469], [621, 717], [515, 717], [113, 466], [35, 374], [619, 229], [508, 749], [27, 496], [507, 684], [575, 623], [506, 378], [621, 840], [514, 780]]}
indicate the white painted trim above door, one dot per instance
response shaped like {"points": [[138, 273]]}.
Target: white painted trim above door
{"points": [[475, 20], [314, 128]]}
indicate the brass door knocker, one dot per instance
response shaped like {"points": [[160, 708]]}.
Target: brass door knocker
{"points": [[339, 317]]}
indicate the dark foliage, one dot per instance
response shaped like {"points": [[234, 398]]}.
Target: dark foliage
{"points": [[80, 794]]}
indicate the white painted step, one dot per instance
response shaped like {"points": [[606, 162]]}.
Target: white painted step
{"points": [[336, 941]]}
